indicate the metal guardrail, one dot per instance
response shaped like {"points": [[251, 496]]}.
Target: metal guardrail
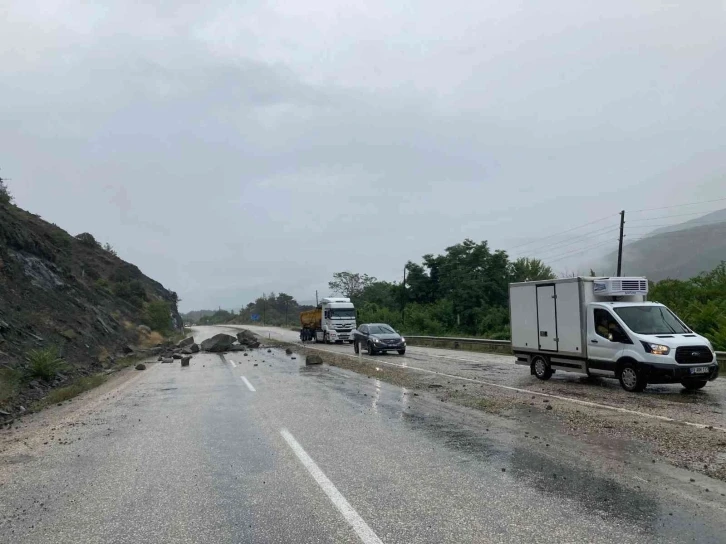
{"points": [[460, 340], [499, 345]]}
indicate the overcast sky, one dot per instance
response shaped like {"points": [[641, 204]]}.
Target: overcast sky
{"points": [[234, 148]]}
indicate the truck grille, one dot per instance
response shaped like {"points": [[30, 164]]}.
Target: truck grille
{"points": [[692, 355]]}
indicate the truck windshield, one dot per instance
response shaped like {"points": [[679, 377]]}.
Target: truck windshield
{"points": [[651, 320], [342, 313]]}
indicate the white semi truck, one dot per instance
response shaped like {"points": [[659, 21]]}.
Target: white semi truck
{"points": [[332, 321], [605, 327]]}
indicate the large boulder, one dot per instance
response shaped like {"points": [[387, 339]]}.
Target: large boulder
{"points": [[218, 343], [185, 360], [313, 360], [237, 347], [248, 338], [194, 348], [186, 342]]}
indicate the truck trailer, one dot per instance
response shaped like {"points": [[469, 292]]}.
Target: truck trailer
{"points": [[332, 321], [605, 327]]}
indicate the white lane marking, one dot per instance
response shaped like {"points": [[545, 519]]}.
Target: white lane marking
{"points": [[248, 384], [232, 363], [361, 528], [530, 392]]}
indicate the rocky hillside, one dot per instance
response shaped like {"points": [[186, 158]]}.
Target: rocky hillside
{"points": [[71, 295]]}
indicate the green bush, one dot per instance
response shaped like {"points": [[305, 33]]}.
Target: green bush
{"points": [[157, 316], [44, 364], [76, 388], [132, 291], [5, 196]]}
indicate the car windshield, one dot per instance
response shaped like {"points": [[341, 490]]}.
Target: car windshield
{"points": [[651, 320], [343, 313], [381, 329]]}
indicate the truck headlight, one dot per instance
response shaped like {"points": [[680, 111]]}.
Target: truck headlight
{"points": [[656, 349]]}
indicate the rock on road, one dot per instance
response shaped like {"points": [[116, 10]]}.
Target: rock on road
{"points": [[261, 448]]}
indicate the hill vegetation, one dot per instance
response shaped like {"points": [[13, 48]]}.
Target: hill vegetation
{"points": [[68, 306]]}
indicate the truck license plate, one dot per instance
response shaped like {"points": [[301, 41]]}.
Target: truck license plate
{"points": [[699, 370]]}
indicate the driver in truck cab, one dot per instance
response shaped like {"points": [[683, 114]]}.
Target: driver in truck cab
{"points": [[607, 327]]}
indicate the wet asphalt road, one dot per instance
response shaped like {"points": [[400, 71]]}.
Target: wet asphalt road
{"points": [[706, 407], [320, 454]]}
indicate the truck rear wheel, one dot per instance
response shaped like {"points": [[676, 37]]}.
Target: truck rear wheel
{"points": [[693, 385], [632, 379], [541, 368]]}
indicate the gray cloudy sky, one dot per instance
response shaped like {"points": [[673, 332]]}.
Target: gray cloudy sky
{"points": [[231, 148]]}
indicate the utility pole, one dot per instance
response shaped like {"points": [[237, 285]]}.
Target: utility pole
{"points": [[264, 308], [403, 298], [620, 244], [286, 313], [316, 298]]}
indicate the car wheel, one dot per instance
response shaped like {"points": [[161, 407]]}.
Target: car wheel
{"points": [[631, 379], [402, 351], [541, 368], [356, 348], [693, 385], [371, 350]]}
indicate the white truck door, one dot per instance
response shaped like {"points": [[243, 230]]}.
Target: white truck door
{"points": [[600, 348], [547, 317]]}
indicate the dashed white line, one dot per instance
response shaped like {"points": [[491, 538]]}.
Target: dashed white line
{"points": [[248, 384], [364, 532], [234, 365], [538, 393]]}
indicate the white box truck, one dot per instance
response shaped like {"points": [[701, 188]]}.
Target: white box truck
{"points": [[605, 327]]}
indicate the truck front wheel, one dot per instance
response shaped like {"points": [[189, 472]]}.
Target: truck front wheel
{"points": [[632, 379], [541, 368]]}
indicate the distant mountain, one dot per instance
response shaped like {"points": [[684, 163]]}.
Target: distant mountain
{"points": [[678, 252], [708, 219]]}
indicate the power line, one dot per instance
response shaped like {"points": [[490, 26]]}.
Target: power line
{"points": [[678, 205], [668, 216], [646, 236], [559, 245], [691, 225], [563, 232], [560, 257]]}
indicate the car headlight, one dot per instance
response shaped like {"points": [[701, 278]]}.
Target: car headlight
{"points": [[656, 349], [403, 340], [376, 340]]}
